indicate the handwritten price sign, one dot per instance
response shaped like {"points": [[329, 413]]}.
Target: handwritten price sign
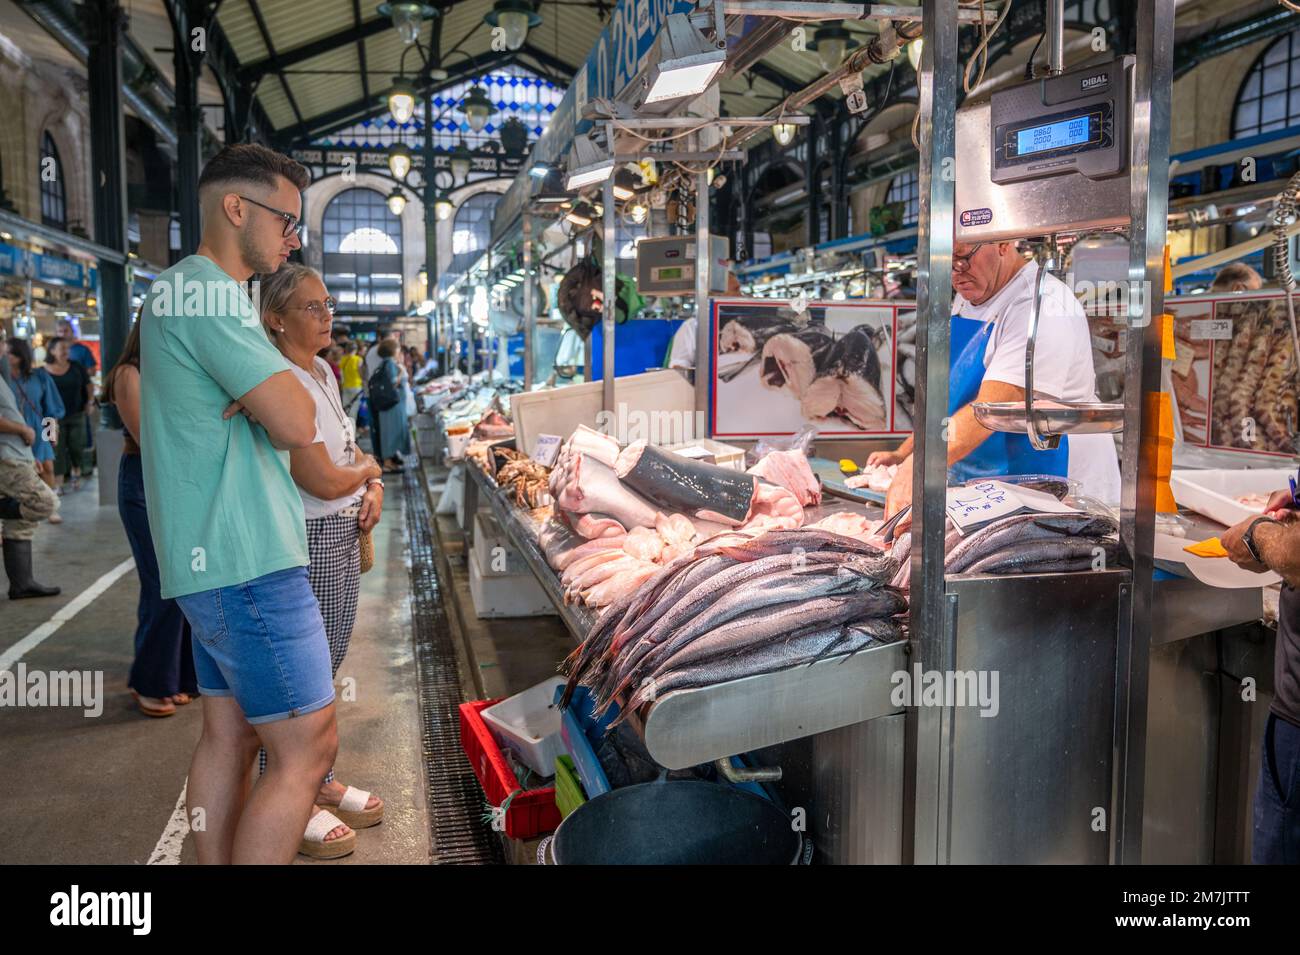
{"points": [[983, 502]]}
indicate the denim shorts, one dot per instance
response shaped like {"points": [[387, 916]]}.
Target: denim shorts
{"points": [[262, 642]]}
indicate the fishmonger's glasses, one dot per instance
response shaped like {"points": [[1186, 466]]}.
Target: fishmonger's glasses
{"points": [[291, 223], [960, 263]]}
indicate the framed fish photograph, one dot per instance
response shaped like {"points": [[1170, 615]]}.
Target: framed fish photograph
{"points": [[832, 365]]}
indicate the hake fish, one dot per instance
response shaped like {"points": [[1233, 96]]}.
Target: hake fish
{"points": [[1049, 556], [821, 644]]}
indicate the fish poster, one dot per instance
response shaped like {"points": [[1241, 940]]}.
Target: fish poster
{"points": [[1234, 378], [834, 365]]}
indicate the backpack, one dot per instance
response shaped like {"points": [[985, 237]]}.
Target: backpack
{"points": [[383, 393]]}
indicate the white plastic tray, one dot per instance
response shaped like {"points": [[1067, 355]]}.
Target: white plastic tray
{"points": [[1214, 492], [529, 724]]}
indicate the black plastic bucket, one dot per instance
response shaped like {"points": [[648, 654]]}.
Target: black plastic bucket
{"points": [[679, 822]]}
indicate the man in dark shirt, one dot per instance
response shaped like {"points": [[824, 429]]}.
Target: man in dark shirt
{"points": [[1271, 541]]}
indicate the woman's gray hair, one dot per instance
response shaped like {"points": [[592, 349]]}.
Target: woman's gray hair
{"points": [[276, 288]]}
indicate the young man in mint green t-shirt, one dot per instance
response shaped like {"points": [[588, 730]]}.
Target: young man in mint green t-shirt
{"points": [[219, 410]]}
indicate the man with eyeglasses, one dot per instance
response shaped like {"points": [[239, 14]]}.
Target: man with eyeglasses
{"points": [[226, 518], [995, 284]]}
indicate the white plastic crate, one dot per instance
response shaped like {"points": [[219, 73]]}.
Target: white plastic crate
{"points": [[1214, 493], [528, 723]]}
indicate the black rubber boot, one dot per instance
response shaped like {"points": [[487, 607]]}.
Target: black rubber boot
{"points": [[10, 509], [18, 565]]}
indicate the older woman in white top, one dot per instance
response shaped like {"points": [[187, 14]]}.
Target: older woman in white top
{"points": [[342, 496]]}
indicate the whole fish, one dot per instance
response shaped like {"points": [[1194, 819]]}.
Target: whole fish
{"points": [[879, 604], [784, 541], [758, 628], [1023, 527], [689, 609], [1047, 556], [602, 630], [807, 647], [756, 597]]}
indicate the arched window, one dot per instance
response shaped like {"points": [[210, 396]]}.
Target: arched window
{"points": [[54, 204], [472, 230], [906, 188], [363, 251], [1269, 97]]}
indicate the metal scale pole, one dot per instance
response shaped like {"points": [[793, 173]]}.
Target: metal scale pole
{"points": [[703, 317], [609, 284], [926, 781], [530, 312], [1153, 80]]}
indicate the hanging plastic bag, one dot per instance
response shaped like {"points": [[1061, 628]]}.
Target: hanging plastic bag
{"points": [[800, 441]]}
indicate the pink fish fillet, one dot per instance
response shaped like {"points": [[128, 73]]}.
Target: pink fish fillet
{"points": [[580, 567], [595, 487], [586, 549], [593, 526], [775, 507], [790, 470], [595, 445], [644, 544], [620, 585]]}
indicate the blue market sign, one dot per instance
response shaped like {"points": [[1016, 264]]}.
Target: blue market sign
{"points": [[44, 267]]}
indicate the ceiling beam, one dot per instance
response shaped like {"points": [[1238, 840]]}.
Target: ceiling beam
{"points": [[361, 48], [549, 61], [275, 60], [358, 110], [274, 63]]}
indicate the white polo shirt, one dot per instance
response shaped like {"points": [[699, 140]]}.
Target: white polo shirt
{"points": [[1063, 365]]}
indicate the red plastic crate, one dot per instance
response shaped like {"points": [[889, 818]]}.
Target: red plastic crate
{"points": [[533, 811]]}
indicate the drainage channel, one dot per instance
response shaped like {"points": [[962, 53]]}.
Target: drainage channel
{"points": [[455, 800]]}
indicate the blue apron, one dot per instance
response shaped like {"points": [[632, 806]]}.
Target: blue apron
{"points": [[1001, 453]]}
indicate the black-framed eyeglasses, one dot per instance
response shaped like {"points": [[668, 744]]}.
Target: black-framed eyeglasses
{"points": [[291, 223], [961, 263]]}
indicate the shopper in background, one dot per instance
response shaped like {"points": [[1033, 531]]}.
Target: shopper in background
{"points": [[342, 498], [332, 355], [369, 365], [226, 518], [162, 673], [24, 500], [77, 351], [1237, 277], [71, 456], [1271, 541], [390, 422], [41, 406], [350, 383]]}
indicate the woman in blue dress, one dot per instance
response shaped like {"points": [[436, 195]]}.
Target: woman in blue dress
{"points": [[394, 431], [40, 404]]}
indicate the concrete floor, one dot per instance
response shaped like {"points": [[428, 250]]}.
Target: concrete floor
{"points": [[90, 790]]}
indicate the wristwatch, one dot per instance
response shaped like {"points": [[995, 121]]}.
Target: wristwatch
{"points": [[373, 481], [1248, 538]]}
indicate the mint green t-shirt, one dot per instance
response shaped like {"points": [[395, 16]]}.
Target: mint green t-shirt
{"points": [[222, 506]]}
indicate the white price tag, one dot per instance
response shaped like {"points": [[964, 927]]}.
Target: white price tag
{"points": [[546, 449], [987, 501], [1219, 329]]}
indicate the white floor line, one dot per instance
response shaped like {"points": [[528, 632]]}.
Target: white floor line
{"points": [[168, 849], [66, 613]]}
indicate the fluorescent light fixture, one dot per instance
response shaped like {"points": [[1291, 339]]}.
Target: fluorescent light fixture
{"points": [[539, 170], [578, 219], [622, 193], [685, 62], [588, 164]]}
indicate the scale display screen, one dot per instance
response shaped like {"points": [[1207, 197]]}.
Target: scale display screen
{"points": [[1065, 132]]}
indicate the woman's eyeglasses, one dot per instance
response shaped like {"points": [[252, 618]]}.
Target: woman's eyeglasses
{"points": [[291, 223], [318, 310], [961, 263]]}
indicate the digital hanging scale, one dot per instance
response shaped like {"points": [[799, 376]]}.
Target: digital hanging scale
{"points": [[1047, 156]]}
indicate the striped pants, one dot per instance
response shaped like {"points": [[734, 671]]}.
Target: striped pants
{"points": [[335, 576]]}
